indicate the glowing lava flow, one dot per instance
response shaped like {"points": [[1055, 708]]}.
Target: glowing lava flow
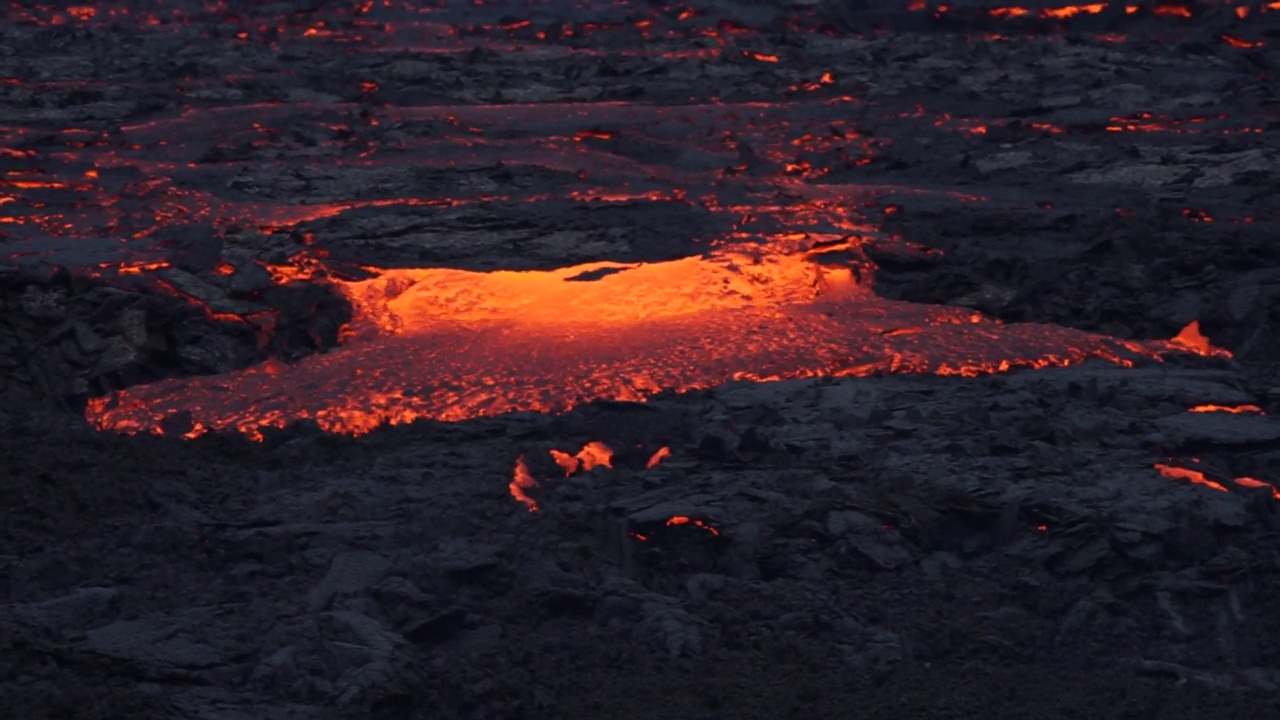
{"points": [[592, 455], [451, 345], [682, 520], [1199, 478], [1232, 409], [522, 480], [663, 453]]}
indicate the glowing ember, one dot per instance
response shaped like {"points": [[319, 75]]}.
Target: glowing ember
{"points": [[1234, 409], [663, 453], [521, 481]]}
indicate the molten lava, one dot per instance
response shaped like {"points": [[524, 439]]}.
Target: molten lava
{"points": [[592, 455], [787, 293], [452, 344], [1192, 340], [1195, 476], [522, 480], [678, 521], [682, 520], [1200, 478], [663, 453], [1256, 483]]}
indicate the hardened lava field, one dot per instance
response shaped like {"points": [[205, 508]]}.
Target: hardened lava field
{"points": [[631, 359]]}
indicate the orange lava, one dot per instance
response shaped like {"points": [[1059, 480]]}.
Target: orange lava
{"points": [[1069, 11], [1195, 476], [567, 462], [663, 453], [592, 455], [1192, 340], [522, 480], [1234, 409], [1199, 478], [1073, 10], [451, 344], [1236, 42], [1256, 483], [682, 520]]}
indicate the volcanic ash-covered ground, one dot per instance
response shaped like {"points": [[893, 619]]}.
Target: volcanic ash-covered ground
{"points": [[624, 359]]}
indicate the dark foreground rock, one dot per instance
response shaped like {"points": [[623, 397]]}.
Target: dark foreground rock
{"points": [[925, 546]]}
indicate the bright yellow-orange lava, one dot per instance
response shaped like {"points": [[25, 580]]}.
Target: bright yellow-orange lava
{"points": [[452, 344]]}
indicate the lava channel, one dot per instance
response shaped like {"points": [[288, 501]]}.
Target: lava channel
{"points": [[451, 345]]}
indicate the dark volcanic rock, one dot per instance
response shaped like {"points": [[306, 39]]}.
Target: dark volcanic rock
{"points": [[1058, 543]]}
